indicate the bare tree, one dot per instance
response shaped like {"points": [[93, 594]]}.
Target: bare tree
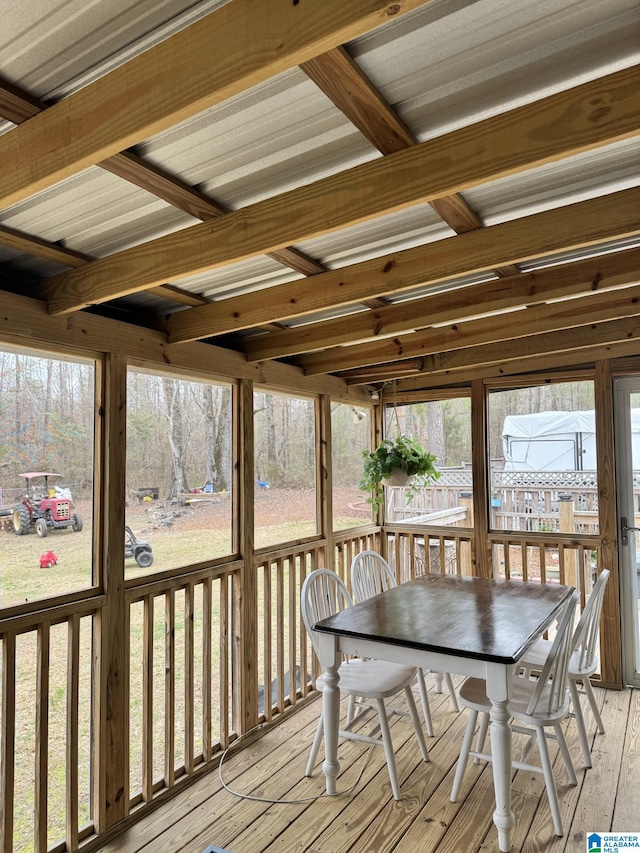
{"points": [[177, 437], [215, 404]]}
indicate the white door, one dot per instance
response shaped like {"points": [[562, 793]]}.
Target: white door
{"points": [[627, 411]]}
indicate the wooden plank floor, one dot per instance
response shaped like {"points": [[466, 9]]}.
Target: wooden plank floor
{"points": [[368, 820]]}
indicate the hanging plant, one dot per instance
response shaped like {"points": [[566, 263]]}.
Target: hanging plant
{"points": [[394, 462]]}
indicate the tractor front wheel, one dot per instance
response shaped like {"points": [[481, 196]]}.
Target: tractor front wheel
{"points": [[76, 522], [41, 527], [144, 559], [21, 520]]}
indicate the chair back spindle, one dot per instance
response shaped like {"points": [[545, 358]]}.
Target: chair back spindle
{"points": [[323, 594], [370, 575], [551, 690], [587, 631]]}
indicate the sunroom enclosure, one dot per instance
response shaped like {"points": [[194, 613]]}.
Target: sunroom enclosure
{"points": [[145, 677]]}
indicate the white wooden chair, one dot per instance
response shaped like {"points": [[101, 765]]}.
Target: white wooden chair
{"points": [[540, 703], [582, 663], [323, 594], [371, 575]]}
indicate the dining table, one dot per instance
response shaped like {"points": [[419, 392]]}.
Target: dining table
{"points": [[470, 626]]}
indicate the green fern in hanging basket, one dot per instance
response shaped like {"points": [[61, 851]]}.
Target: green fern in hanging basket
{"points": [[402, 455]]}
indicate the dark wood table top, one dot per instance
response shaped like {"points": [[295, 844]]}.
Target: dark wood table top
{"points": [[491, 620]]}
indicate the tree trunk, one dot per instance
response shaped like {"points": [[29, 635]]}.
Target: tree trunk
{"points": [[177, 438]]}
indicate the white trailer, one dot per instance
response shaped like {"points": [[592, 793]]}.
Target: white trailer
{"points": [[556, 441]]}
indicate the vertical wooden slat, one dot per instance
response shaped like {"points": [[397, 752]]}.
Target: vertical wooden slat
{"points": [[562, 565], [147, 698], [411, 573], [267, 629], [42, 739], [7, 740], [525, 562], [169, 688], [225, 682], [610, 636], [280, 638], [313, 557], [338, 565], [189, 711], [543, 562], [207, 603], [73, 699], [542, 556], [293, 624]]}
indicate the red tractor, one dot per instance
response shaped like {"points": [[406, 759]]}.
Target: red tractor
{"points": [[43, 508]]}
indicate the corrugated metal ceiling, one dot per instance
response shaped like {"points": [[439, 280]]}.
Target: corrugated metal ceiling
{"points": [[441, 67]]}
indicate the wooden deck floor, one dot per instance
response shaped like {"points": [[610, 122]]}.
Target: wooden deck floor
{"points": [[368, 820]]}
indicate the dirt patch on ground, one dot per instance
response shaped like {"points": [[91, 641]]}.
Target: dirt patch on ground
{"points": [[272, 507]]}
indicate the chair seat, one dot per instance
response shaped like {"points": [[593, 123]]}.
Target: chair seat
{"points": [[473, 694], [323, 594], [371, 575], [372, 679], [538, 653], [540, 703]]}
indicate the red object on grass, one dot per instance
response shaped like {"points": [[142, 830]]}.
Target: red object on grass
{"points": [[48, 559]]}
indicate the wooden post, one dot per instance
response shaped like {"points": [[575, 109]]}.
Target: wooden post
{"points": [[610, 626], [324, 477], [245, 598], [8, 734], [111, 664], [566, 524], [483, 563]]}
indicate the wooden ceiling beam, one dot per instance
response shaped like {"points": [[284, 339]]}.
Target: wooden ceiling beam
{"points": [[342, 80], [451, 306], [30, 245], [521, 368], [559, 126], [350, 90], [36, 246], [16, 105], [20, 106], [493, 330], [236, 47], [25, 320], [177, 294], [132, 168], [612, 339], [582, 224]]}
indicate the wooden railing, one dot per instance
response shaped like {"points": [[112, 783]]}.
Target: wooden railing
{"points": [[547, 559], [564, 501], [180, 677], [285, 665], [351, 542], [183, 678], [413, 550], [45, 744]]}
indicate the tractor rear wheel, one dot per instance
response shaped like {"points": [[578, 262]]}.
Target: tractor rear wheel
{"points": [[41, 527], [76, 522], [21, 520]]}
